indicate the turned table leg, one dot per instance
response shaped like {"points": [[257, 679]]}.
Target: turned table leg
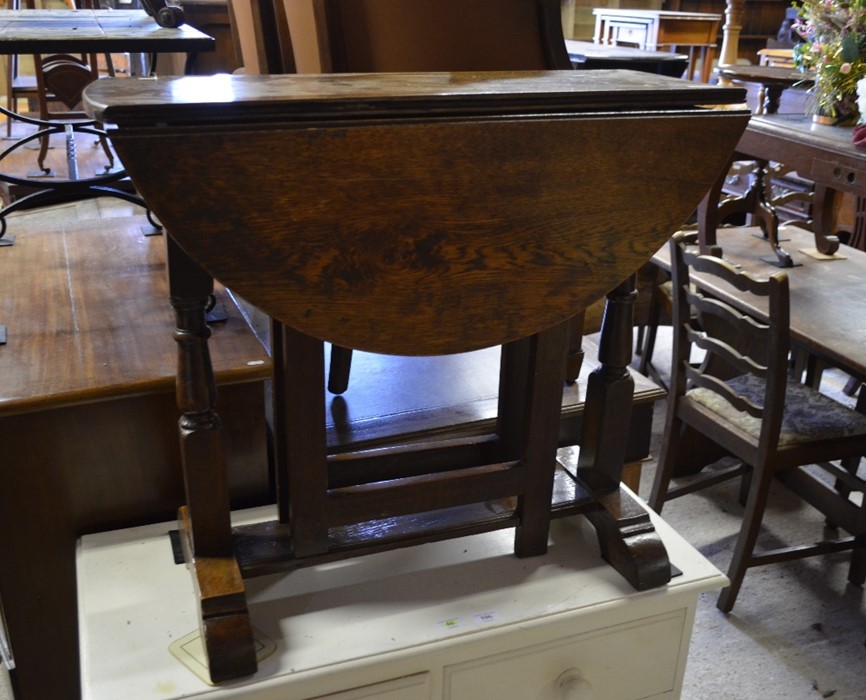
{"points": [[205, 519], [626, 536]]}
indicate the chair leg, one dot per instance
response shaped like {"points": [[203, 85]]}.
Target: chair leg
{"points": [[857, 570], [11, 70], [649, 344], [108, 153], [749, 529], [43, 154], [648, 333], [667, 459], [639, 341], [339, 369], [745, 487], [574, 361]]}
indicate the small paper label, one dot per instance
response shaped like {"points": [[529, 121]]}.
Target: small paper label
{"points": [[486, 618], [451, 623]]}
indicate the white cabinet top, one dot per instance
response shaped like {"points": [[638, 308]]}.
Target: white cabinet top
{"points": [[349, 616]]}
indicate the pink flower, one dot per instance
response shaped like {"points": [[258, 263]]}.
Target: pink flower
{"points": [[845, 68]]}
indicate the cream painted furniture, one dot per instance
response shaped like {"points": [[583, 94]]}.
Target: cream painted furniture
{"points": [[657, 30], [462, 619]]}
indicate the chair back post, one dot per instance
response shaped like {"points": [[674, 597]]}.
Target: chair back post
{"points": [[747, 406], [778, 351], [550, 23], [681, 350]]}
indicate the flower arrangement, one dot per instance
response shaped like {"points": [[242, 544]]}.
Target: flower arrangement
{"points": [[834, 49]]}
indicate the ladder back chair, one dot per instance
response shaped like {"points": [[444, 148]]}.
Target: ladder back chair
{"points": [[740, 396]]}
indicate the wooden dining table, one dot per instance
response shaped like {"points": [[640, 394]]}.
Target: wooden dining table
{"points": [[828, 296], [824, 154], [774, 80], [589, 55], [100, 31]]}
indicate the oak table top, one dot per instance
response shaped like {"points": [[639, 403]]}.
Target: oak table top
{"points": [[590, 108]]}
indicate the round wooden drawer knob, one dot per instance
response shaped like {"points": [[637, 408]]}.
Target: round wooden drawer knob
{"points": [[573, 686]]}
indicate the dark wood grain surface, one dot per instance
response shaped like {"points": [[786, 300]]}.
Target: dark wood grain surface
{"points": [[767, 75], [174, 100], [414, 214], [822, 153], [529, 238]]}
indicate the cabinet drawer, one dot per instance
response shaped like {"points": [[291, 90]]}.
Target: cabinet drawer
{"points": [[415, 687], [625, 662]]}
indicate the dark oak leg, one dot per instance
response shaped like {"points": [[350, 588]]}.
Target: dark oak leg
{"points": [[205, 520], [299, 435], [530, 404], [575, 348], [759, 489], [708, 212], [768, 218], [339, 370], [822, 217], [772, 96], [626, 536], [647, 348], [756, 203]]}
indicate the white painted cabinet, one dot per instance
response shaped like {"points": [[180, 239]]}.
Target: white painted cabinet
{"points": [[457, 620]]}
